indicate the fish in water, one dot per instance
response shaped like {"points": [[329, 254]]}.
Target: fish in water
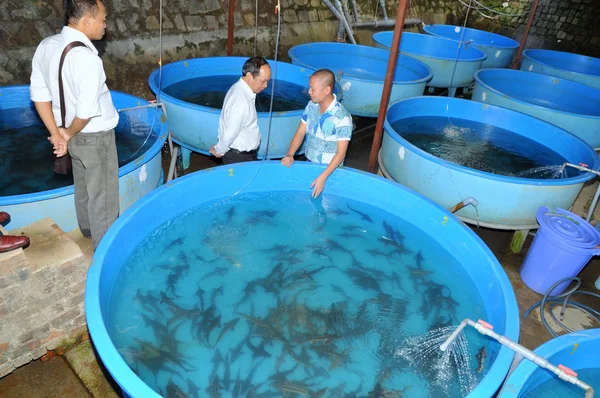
{"points": [[481, 355], [362, 215]]}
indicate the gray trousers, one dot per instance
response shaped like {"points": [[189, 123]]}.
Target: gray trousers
{"points": [[96, 177]]}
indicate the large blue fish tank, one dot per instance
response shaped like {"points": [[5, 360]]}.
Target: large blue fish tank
{"points": [[572, 106], [500, 50], [578, 351], [193, 92], [452, 63], [360, 72], [31, 191], [450, 149], [254, 287], [576, 67]]}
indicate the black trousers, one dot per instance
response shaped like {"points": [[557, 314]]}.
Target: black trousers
{"points": [[235, 156]]}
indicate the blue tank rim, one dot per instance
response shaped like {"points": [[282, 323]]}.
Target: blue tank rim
{"points": [[478, 80], [525, 369], [113, 360], [171, 99], [514, 45], [530, 55], [124, 170], [412, 60], [507, 179], [481, 58]]}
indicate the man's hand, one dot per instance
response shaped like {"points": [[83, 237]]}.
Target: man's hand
{"points": [[214, 152], [318, 185], [59, 145], [287, 160], [65, 134]]}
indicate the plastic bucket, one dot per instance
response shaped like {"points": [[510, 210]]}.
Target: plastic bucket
{"points": [[562, 246]]}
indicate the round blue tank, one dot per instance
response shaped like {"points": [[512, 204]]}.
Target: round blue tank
{"points": [[360, 71], [499, 49], [572, 106], [140, 175], [504, 202], [195, 127], [578, 351], [439, 54], [579, 68], [189, 192]]}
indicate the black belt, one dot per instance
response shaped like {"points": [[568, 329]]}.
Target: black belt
{"points": [[252, 152]]}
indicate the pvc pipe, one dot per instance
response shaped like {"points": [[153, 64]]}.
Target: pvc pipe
{"points": [[593, 206], [338, 6], [172, 171], [465, 202], [354, 10], [340, 18], [383, 10], [346, 11], [384, 23], [561, 371]]}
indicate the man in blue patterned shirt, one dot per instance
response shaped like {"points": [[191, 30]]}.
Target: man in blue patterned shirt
{"points": [[327, 126]]}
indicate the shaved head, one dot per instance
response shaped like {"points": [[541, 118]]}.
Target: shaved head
{"points": [[325, 77]]}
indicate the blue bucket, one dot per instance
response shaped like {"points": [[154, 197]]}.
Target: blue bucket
{"points": [[562, 246]]}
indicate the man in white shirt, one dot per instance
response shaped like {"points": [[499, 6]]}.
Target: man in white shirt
{"points": [[239, 136], [90, 116]]}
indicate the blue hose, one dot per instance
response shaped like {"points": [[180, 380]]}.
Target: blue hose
{"points": [[564, 299]]}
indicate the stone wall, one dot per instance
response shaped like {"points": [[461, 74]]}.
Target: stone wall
{"points": [[191, 28], [563, 25], [41, 295], [197, 28]]}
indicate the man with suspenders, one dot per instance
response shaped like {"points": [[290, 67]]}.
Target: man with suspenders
{"points": [[68, 87]]}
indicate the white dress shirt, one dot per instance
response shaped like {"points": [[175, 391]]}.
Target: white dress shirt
{"points": [[84, 81], [238, 124]]}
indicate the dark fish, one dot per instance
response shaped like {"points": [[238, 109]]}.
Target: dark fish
{"points": [[419, 259], [362, 215], [218, 271], [481, 355], [227, 373], [349, 235], [175, 242], [237, 351], [227, 327], [337, 212], [289, 388], [192, 389], [214, 389], [230, 213], [258, 351], [174, 391], [392, 233]]}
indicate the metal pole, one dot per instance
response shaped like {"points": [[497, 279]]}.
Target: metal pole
{"points": [[230, 23], [525, 34], [387, 85]]}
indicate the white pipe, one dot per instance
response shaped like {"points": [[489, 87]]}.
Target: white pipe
{"points": [[581, 167], [384, 23], [346, 21], [345, 9], [340, 18], [383, 10], [561, 371], [354, 10]]}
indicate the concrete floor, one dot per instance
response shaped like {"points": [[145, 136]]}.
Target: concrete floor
{"points": [[66, 376]]}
